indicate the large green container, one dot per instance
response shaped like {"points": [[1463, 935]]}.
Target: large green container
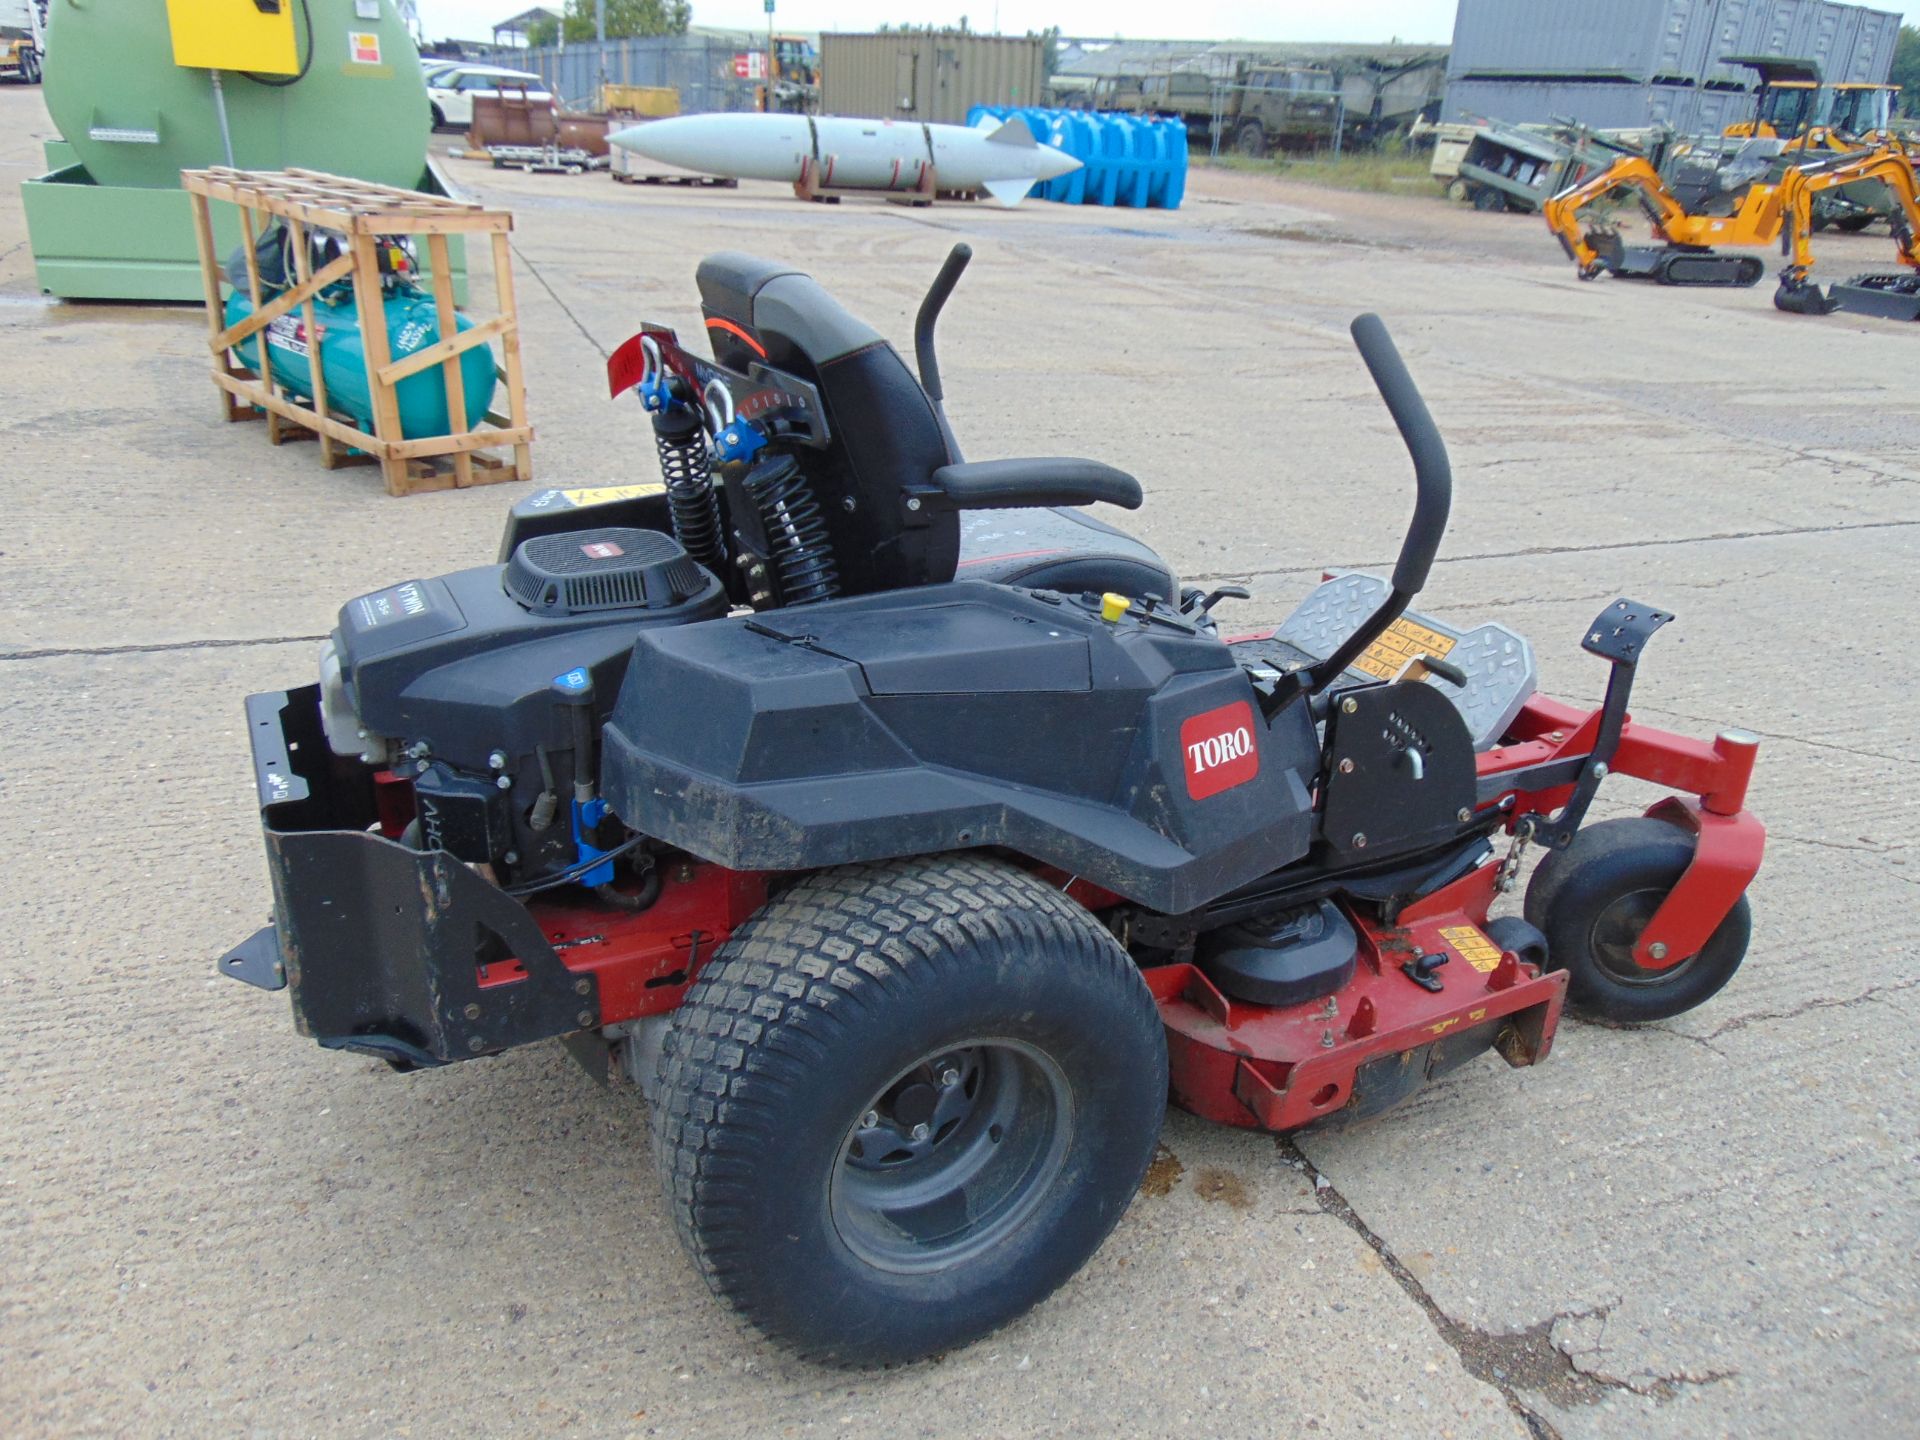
{"points": [[135, 118], [117, 226]]}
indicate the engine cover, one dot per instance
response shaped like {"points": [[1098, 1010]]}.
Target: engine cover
{"points": [[463, 664], [582, 572]]}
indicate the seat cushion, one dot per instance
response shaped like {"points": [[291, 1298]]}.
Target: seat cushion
{"points": [[1059, 549]]}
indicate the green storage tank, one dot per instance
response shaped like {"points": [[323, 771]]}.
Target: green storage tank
{"points": [[117, 225]]}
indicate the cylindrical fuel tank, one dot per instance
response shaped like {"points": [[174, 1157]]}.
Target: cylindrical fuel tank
{"points": [[412, 324], [358, 107], [871, 154]]}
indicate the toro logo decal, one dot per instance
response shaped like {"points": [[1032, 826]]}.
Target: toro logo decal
{"points": [[1219, 749]]}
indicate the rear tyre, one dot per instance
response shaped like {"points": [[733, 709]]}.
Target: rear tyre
{"points": [[1489, 200], [1250, 140], [904, 1103], [1594, 899], [1457, 191]]}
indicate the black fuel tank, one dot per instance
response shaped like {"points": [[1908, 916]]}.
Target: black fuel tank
{"points": [[957, 716]]}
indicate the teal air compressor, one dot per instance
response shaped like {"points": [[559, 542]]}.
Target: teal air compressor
{"points": [[413, 323]]}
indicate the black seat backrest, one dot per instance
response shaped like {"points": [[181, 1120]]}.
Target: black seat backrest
{"points": [[884, 432]]}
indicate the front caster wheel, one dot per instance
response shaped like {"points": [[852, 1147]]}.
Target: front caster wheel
{"points": [[1593, 900], [904, 1103]]}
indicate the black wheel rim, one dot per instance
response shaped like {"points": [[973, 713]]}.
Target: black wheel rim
{"points": [[952, 1155], [1618, 928]]}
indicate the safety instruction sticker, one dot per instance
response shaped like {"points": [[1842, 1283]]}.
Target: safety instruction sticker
{"points": [[1470, 945], [288, 333], [363, 47], [604, 493], [1405, 640]]}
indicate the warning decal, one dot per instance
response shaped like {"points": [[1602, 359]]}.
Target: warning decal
{"points": [[1472, 946], [363, 47], [1405, 640], [602, 494]]}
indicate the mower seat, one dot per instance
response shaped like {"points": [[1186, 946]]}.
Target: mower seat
{"points": [[1060, 549], [890, 440]]}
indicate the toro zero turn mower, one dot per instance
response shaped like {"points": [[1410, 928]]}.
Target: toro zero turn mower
{"points": [[908, 836]]}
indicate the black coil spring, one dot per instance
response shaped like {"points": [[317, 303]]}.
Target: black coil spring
{"points": [[796, 530], [690, 498]]}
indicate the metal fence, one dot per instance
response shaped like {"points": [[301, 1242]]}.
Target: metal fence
{"points": [[701, 68]]}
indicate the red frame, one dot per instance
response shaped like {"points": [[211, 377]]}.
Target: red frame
{"points": [[1276, 1068]]}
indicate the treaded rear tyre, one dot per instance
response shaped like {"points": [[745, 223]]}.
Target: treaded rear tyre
{"points": [[850, 995], [1592, 901]]}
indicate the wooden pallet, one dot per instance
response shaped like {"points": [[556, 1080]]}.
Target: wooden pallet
{"points": [[692, 182], [359, 213], [814, 185]]}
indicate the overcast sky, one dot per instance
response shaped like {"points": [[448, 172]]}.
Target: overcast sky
{"points": [[1413, 21]]}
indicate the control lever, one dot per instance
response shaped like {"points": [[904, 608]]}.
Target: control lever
{"points": [[1225, 592], [923, 350]]}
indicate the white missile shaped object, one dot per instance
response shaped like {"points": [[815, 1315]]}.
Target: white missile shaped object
{"points": [[827, 151]]}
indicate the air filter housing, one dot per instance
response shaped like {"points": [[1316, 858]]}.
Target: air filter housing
{"points": [[582, 571]]}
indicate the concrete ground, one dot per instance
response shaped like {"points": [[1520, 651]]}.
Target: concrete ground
{"points": [[1704, 1227]]}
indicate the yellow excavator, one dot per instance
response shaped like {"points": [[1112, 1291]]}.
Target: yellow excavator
{"points": [[1893, 294], [1732, 204]]}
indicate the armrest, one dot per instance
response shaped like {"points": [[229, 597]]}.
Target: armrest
{"points": [[1010, 484]]}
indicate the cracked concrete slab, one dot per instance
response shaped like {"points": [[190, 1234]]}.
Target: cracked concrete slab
{"points": [[1701, 1228]]}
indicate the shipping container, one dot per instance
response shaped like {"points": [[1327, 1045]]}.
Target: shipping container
{"points": [[1618, 105], [933, 76], [1671, 41]]}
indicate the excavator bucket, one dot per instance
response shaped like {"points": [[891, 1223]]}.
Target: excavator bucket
{"points": [[1892, 296], [1804, 298]]}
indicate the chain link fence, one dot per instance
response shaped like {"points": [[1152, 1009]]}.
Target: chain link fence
{"points": [[700, 68]]}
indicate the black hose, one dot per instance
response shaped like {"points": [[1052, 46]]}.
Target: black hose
{"points": [[575, 871], [280, 82]]}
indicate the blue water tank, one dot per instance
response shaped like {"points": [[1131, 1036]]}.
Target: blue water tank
{"points": [[1133, 160]]}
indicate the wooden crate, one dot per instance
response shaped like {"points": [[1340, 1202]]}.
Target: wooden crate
{"points": [[359, 212]]}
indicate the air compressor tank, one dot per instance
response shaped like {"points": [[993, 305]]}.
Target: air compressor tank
{"points": [[412, 324]]}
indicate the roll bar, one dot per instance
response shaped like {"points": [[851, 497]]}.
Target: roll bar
{"points": [[1433, 498]]}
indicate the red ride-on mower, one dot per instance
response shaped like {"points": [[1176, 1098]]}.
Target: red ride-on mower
{"points": [[908, 835]]}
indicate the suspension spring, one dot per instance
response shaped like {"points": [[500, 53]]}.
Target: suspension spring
{"points": [[796, 529], [690, 498]]}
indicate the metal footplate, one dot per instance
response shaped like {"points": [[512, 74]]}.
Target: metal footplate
{"points": [[1496, 664]]}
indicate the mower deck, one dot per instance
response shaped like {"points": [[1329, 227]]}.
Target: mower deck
{"points": [[1377, 1039]]}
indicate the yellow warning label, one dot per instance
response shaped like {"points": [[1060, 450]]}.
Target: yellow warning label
{"points": [[1405, 640], [605, 493], [1471, 946]]}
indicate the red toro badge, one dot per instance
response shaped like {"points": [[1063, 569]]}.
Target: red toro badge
{"points": [[1219, 749]]}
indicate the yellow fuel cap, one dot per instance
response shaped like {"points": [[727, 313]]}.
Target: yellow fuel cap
{"points": [[1113, 606]]}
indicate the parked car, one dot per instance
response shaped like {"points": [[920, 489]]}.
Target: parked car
{"points": [[451, 90]]}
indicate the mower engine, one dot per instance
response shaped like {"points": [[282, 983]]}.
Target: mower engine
{"points": [[485, 689]]}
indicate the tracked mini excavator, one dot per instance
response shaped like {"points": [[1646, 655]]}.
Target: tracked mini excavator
{"points": [[1733, 204]]}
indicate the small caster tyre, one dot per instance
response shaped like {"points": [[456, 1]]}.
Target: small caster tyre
{"points": [[904, 1103], [1593, 900]]}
